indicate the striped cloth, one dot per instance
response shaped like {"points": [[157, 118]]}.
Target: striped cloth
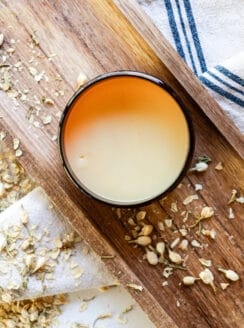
{"points": [[209, 36]]}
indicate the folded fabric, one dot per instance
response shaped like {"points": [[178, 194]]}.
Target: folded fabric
{"points": [[209, 36], [40, 254]]}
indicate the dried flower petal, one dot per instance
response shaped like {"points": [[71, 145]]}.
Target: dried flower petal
{"points": [[81, 80], [190, 199], [219, 166], [135, 286], [204, 262], [224, 285]]}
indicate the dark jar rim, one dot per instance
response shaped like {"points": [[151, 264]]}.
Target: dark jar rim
{"points": [[154, 80]]}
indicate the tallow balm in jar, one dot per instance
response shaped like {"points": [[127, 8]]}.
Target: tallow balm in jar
{"points": [[124, 139]]}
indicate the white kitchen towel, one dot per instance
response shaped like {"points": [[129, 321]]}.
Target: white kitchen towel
{"points": [[47, 228], [209, 36], [68, 269]]}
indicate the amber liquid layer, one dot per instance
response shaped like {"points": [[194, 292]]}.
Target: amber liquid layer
{"points": [[126, 139]]}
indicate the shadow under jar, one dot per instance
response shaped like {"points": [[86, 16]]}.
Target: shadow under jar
{"points": [[125, 138]]}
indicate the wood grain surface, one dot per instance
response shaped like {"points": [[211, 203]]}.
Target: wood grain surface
{"points": [[94, 37]]}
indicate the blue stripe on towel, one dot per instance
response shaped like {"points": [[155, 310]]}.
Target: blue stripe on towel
{"points": [[174, 29], [228, 73], [225, 83], [194, 33], [185, 35], [222, 92]]}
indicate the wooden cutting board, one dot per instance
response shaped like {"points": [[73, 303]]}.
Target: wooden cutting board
{"points": [[95, 37]]}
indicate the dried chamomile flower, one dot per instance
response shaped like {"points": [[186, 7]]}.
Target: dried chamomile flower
{"points": [[160, 248], [207, 278], [199, 167], [209, 233], [16, 143], [18, 153], [230, 274], [168, 223], [175, 257], [142, 241], [184, 245], [146, 230], [167, 272], [233, 196], [240, 200], [207, 212], [189, 280], [141, 215], [151, 258], [195, 243]]}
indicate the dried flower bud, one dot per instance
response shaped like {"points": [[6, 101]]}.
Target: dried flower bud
{"points": [[240, 200], [141, 215], [175, 242], [207, 278], [184, 245], [195, 243], [201, 166], [168, 223], [207, 212], [189, 280], [151, 258], [146, 230], [175, 257], [230, 274], [81, 80], [142, 241], [160, 247], [25, 245]]}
